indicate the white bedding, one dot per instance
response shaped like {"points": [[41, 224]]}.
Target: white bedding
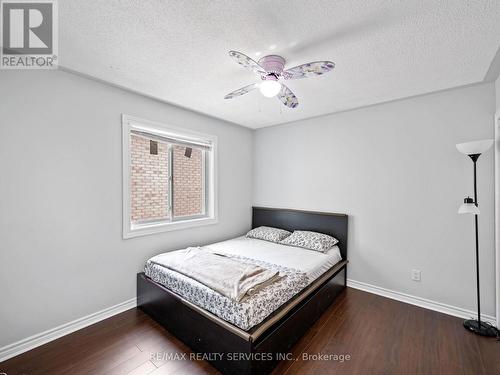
{"points": [[312, 263], [246, 313], [300, 266]]}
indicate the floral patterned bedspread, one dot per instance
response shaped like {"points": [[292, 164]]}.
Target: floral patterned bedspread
{"points": [[251, 310]]}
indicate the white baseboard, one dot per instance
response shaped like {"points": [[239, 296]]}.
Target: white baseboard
{"points": [[34, 341], [39, 339], [418, 301]]}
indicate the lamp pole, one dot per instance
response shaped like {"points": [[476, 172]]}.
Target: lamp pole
{"points": [[476, 326], [474, 150], [474, 158]]}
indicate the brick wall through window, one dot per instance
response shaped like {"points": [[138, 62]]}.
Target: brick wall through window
{"points": [[188, 183], [150, 181]]}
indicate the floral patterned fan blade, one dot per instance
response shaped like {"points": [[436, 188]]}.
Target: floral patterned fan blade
{"points": [[241, 91], [247, 62], [309, 70], [287, 97]]}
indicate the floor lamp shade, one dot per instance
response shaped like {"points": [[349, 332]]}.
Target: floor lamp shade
{"points": [[468, 207], [475, 147]]}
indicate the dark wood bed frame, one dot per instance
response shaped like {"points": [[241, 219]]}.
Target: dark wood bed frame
{"points": [[258, 350]]}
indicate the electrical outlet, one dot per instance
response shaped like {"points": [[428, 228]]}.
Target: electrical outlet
{"points": [[416, 275]]}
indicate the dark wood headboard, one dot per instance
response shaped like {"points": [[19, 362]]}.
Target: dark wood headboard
{"points": [[324, 222]]}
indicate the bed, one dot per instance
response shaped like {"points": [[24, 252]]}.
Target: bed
{"points": [[251, 338]]}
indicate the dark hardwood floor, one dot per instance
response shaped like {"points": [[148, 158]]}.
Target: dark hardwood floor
{"points": [[380, 335]]}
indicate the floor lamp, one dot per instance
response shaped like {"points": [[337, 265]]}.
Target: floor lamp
{"points": [[470, 206]]}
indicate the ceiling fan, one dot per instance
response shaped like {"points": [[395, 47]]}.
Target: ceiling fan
{"points": [[271, 71]]}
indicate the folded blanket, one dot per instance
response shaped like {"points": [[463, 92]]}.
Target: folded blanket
{"points": [[230, 277]]}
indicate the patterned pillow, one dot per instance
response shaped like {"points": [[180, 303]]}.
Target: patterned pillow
{"points": [[268, 234], [310, 240]]}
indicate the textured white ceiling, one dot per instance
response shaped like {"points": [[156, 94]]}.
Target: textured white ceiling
{"points": [[177, 51]]}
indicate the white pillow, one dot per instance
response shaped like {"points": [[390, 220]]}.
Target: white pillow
{"points": [[268, 234], [310, 240]]}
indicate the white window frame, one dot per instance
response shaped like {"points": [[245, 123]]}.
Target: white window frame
{"points": [[131, 230]]}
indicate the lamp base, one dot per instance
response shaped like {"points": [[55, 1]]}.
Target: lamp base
{"points": [[484, 329]]}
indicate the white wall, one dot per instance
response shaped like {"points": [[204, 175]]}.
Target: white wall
{"points": [[62, 254], [497, 195], [395, 170], [497, 93]]}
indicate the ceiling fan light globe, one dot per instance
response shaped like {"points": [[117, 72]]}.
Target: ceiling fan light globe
{"points": [[270, 88]]}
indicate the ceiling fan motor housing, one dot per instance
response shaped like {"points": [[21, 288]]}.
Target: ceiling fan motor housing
{"points": [[273, 64]]}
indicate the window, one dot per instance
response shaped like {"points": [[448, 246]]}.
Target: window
{"points": [[168, 178]]}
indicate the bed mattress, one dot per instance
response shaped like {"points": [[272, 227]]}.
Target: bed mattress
{"points": [[300, 266], [312, 263]]}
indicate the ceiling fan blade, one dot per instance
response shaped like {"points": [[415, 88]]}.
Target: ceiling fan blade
{"points": [[309, 70], [287, 97], [241, 91], [247, 62]]}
